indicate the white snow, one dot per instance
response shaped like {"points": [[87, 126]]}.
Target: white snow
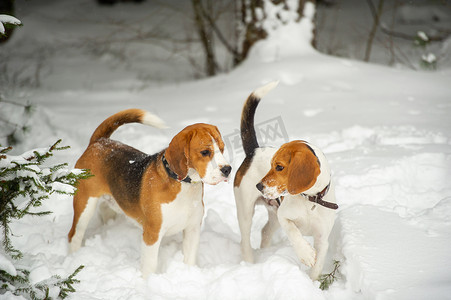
{"points": [[7, 19], [385, 131], [422, 35], [62, 188], [6, 264], [429, 58]]}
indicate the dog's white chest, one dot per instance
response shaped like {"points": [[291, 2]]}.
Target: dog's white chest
{"points": [[187, 209], [307, 216]]}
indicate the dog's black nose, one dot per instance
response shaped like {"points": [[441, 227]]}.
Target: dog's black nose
{"points": [[226, 170], [259, 186]]}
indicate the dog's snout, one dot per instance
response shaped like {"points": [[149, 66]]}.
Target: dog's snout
{"points": [[259, 186], [226, 170]]}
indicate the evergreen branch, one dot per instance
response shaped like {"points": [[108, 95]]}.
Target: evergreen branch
{"points": [[7, 245], [66, 285], [5, 150], [25, 177], [327, 279], [9, 281], [20, 285]]}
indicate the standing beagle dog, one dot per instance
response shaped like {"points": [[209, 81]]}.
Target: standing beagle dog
{"points": [[161, 192], [293, 182]]}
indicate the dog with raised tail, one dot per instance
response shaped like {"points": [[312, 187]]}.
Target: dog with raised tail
{"points": [[162, 192], [294, 184]]}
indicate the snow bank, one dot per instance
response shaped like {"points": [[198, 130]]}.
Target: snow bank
{"points": [[393, 260], [287, 36]]}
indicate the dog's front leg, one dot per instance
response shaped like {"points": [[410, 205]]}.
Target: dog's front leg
{"points": [[303, 249], [149, 258], [191, 237], [149, 253], [321, 246]]}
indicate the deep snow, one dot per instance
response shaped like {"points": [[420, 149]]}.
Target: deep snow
{"points": [[385, 131]]}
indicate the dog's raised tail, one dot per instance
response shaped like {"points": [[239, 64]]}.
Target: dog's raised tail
{"points": [[248, 136], [133, 115]]}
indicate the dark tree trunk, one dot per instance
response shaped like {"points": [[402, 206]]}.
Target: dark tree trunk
{"points": [[376, 16], [206, 38], [249, 16], [253, 32]]}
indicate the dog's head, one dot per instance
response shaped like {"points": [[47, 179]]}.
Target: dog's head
{"points": [[199, 149], [294, 169]]}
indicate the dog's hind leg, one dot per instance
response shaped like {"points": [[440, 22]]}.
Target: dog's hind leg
{"points": [[271, 226], [84, 209], [108, 208], [245, 212]]}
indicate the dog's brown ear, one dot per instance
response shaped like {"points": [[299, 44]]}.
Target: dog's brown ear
{"points": [[302, 173], [177, 154], [217, 136]]}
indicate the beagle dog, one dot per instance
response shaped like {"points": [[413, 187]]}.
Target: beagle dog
{"points": [[162, 192], [294, 184]]}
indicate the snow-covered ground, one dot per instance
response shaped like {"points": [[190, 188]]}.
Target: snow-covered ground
{"points": [[385, 131]]}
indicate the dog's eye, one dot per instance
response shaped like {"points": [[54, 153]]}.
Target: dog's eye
{"points": [[279, 168], [205, 152]]}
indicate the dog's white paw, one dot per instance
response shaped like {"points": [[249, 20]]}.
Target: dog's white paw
{"points": [[309, 257]]}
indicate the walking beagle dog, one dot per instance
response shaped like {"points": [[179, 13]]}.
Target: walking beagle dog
{"points": [[161, 192], [293, 182]]}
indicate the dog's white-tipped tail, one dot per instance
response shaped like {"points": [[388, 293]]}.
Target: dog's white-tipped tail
{"points": [[153, 120], [133, 115], [263, 90], [248, 135]]}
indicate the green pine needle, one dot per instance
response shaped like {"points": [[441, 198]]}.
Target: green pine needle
{"points": [[327, 279]]}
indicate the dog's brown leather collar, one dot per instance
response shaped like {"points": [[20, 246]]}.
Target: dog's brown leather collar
{"points": [[171, 173], [318, 198]]}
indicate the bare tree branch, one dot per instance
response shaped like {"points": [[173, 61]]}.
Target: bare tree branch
{"points": [[205, 38], [376, 16], [397, 34], [232, 50]]}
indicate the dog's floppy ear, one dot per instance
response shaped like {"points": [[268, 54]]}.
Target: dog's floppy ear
{"points": [[217, 136], [303, 172], [177, 154]]}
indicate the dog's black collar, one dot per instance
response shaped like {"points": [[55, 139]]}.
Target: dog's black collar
{"points": [[318, 198], [171, 173]]}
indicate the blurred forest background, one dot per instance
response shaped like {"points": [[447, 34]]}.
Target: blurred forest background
{"points": [[391, 32], [179, 40]]}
